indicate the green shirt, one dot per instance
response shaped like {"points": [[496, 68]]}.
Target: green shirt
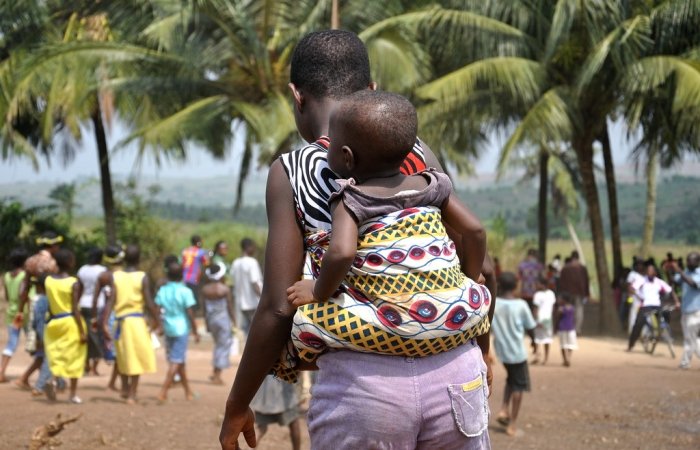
{"points": [[12, 287]]}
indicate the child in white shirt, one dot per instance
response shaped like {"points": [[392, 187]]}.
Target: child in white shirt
{"points": [[543, 302]]}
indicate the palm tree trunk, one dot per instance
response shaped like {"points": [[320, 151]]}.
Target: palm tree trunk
{"points": [[650, 214], [542, 206], [335, 15], [105, 175], [575, 239], [245, 168], [612, 203], [584, 152]]}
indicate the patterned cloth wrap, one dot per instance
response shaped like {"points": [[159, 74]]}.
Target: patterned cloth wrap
{"points": [[404, 295]]}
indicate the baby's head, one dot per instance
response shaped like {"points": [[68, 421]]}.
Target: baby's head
{"points": [[371, 134]]}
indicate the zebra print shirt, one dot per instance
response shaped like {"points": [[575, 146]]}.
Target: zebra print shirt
{"points": [[313, 182]]}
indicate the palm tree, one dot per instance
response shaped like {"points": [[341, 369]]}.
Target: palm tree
{"points": [[84, 70], [558, 68], [611, 185], [71, 95], [663, 97]]}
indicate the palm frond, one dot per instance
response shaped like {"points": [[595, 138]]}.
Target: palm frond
{"points": [[547, 123], [649, 74], [562, 20], [520, 79], [169, 134]]}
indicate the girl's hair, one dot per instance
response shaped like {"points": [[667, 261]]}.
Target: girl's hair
{"points": [[64, 259], [507, 282], [215, 272], [94, 256], [218, 245], [169, 260], [174, 271], [17, 257], [132, 254], [114, 254]]}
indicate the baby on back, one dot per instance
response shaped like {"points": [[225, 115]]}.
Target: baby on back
{"points": [[389, 281]]}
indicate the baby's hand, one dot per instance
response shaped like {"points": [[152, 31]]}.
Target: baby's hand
{"points": [[302, 293]]}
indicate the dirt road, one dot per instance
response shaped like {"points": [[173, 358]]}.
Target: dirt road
{"points": [[608, 399]]}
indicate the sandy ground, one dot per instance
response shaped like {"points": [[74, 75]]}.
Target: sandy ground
{"points": [[607, 399]]}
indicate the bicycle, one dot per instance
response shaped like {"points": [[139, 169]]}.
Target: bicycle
{"points": [[656, 328]]}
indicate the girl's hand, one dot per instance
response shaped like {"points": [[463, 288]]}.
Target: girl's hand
{"points": [[17, 321], [105, 335], [302, 293], [196, 338], [83, 338]]}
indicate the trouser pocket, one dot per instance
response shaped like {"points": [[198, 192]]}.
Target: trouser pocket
{"points": [[470, 406]]}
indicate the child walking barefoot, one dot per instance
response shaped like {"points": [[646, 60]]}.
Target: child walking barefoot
{"points": [[511, 321], [566, 328], [130, 297], [176, 301], [66, 333], [543, 302]]}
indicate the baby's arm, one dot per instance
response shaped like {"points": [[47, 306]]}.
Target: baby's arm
{"points": [[336, 261], [473, 242]]}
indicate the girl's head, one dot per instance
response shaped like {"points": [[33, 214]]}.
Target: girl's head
{"points": [[132, 254], [215, 272], [371, 134], [65, 260], [113, 255], [651, 271], [50, 241], [507, 282], [566, 299], [173, 270], [169, 260], [221, 248], [17, 257], [542, 283], [94, 256]]}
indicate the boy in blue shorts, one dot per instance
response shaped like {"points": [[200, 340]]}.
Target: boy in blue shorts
{"points": [[511, 321], [176, 301]]}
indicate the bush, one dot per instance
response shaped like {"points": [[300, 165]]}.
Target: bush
{"points": [[20, 226]]}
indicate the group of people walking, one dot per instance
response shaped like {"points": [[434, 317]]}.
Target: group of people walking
{"points": [[106, 311]]}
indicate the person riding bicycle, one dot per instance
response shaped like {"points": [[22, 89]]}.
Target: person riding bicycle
{"points": [[650, 291]]}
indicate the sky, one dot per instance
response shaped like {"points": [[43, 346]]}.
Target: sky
{"points": [[198, 164]]}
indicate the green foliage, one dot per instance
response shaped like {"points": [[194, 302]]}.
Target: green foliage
{"points": [[497, 235], [64, 195], [20, 226], [136, 225]]}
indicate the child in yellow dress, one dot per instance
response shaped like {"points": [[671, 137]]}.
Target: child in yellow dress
{"points": [[132, 338], [65, 333]]}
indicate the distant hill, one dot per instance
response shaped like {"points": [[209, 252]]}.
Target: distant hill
{"points": [[678, 204]]}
